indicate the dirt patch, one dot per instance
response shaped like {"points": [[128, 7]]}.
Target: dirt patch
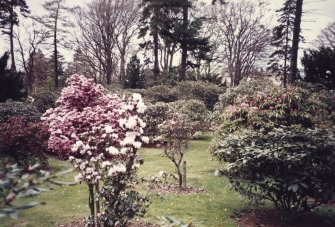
{"points": [[134, 223], [271, 218], [165, 189]]}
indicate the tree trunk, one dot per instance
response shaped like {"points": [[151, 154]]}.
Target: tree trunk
{"points": [[184, 175], [91, 204], [56, 53], [97, 202], [286, 53], [155, 37], [11, 39], [183, 45], [180, 178], [295, 42], [122, 66]]}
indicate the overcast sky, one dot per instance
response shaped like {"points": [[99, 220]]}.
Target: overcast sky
{"points": [[317, 14]]}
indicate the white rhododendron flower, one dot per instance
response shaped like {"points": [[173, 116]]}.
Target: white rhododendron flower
{"points": [[113, 151], [109, 129], [145, 139], [141, 107], [137, 97], [137, 145], [131, 122], [119, 168]]}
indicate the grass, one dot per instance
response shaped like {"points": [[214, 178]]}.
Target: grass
{"points": [[213, 208]]}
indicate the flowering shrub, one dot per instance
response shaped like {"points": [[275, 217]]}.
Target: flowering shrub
{"points": [[24, 143], [176, 132], [249, 88], [100, 134]]}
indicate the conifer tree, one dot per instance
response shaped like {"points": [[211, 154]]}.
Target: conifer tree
{"points": [[281, 41], [9, 18], [134, 74]]}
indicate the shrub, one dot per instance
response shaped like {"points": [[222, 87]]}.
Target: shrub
{"points": [[292, 167], [195, 110], [155, 115], [206, 92], [24, 143], [249, 88], [176, 132], [101, 135], [161, 93], [18, 109], [273, 145], [44, 100]]}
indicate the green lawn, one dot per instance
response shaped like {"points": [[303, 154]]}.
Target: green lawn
{"points": [[204, 209]]}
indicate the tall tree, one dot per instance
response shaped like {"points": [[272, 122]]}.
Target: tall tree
{"points": [[243, 36], [9, 18], [150, 21], [281, 41], [28, 48], [55, 20], [295, 42], [107, 30]]}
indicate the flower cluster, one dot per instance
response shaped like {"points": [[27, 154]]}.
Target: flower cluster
{"points": [[99, 133]]}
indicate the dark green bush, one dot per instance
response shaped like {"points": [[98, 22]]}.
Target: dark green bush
{"points": [[155, 115], [161, 93], [44, 100], [207, 92], [11, 82], [18, 109], [292, 167], [278, 144], [195, 110]]}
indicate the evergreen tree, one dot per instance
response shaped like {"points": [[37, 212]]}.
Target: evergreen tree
{"points": [[281, 41], [170, 20], [295, 41], [10, 18], [319, 66], [11, 82], [134, 74]]}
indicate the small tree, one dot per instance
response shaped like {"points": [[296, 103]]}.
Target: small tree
{"points": [[176, 133], [134, 75], [100, 134]]}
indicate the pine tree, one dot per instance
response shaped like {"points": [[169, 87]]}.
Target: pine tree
{"points": [[10, 18], [281, 41], [11, 82], [134, 74]]}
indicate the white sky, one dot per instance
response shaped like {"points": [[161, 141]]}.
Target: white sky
{"points": [[318, 13]]}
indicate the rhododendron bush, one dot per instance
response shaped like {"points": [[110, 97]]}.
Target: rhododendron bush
{"points": [[100, 134], [279, 145]]}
